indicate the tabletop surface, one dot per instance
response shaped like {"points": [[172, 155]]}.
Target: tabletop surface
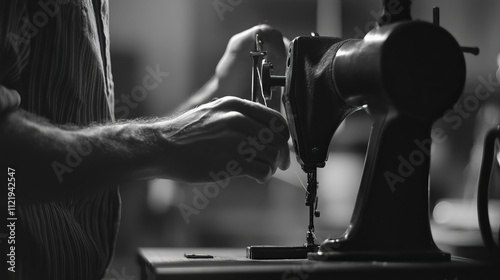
{"points": [[231, 263]]}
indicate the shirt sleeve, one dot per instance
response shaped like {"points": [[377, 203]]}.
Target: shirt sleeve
{"points": [[14, 50]]}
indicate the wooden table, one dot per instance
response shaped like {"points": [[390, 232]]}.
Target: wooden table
{"points": [[170, 263]]}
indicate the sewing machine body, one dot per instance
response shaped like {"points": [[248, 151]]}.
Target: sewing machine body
{"points": [[405, 75]]}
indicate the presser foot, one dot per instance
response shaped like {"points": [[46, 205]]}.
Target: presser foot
{"points": [[263, 252]]}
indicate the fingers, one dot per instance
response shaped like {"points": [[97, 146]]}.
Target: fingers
{"points": [[244, 42], [261, 172], [260, 161], [270, 125], [9, 99], [284, 159], [260, 113], [265, 147], [270, 36]]}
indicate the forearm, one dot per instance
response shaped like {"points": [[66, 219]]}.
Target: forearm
{"points": [[229, 137], [54, 163]]}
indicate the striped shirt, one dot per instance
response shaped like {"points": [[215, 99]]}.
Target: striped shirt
{"points": [[55, 53]]}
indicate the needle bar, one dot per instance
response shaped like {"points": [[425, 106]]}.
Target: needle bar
{"points": [[311, 201]]}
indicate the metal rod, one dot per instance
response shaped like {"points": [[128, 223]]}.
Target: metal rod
{"points": [[435, 15], [311, 200]]}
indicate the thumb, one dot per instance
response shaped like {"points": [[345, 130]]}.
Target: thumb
{"points": [[9, 99]]}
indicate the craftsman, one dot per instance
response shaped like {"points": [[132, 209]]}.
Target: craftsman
{"points": [[58, 134]]}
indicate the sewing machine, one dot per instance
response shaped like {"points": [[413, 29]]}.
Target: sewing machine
{"points": [[405, 74]]}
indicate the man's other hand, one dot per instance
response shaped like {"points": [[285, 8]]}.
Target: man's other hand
{"points": [[229, 136], [234, 69]]}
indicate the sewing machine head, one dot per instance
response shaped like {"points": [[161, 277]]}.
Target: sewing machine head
{"points": [[411, 69], [405, 74]]}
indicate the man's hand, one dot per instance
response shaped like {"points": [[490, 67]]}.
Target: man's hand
{"points": [[234, 69], [233, 75], [239, 137]]}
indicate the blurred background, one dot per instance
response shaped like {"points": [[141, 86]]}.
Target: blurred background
{"points": [[186, 39]]}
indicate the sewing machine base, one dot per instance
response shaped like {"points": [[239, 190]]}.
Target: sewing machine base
{"points": [[279, 252], [231, 263], [381, 256]]}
